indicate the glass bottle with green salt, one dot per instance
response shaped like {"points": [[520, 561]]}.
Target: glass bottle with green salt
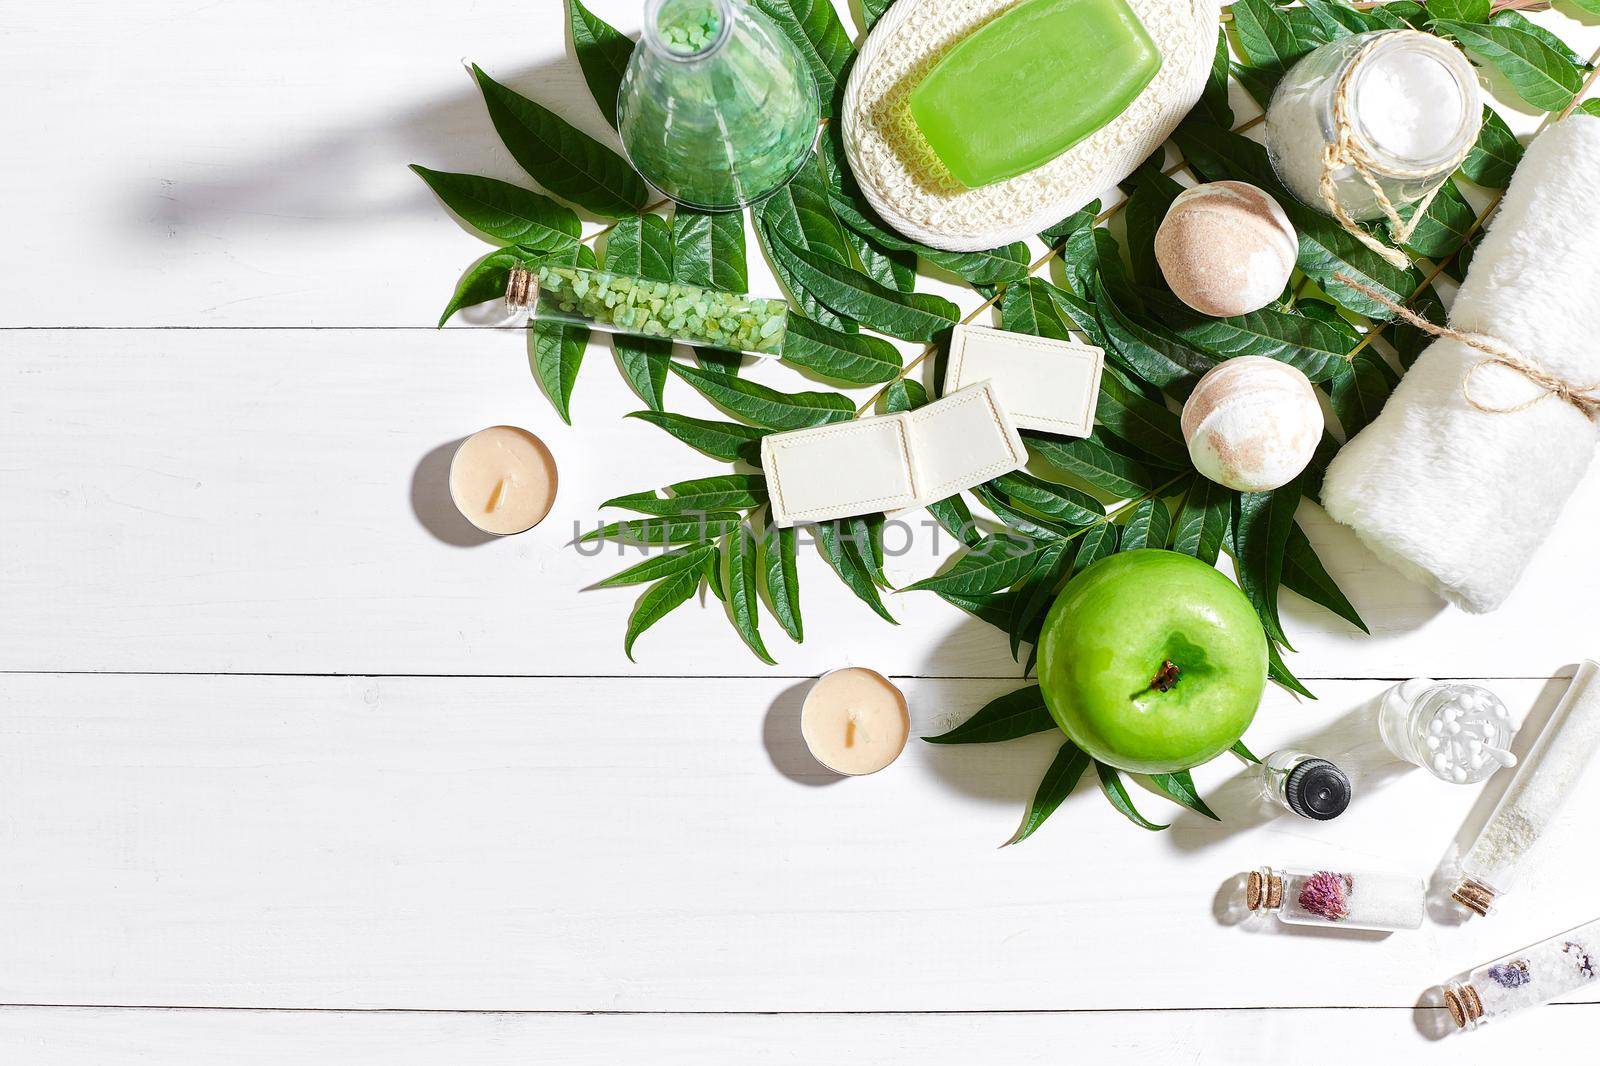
{"points": [[717, 108], [621, 303]]}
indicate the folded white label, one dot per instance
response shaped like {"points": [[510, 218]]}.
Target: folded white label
{"points": [[1046, 384], [891, 462]]}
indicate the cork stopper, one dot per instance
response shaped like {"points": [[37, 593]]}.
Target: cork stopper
{"points": [[1264, 889], [1476, 896], [1464, 1005], [521, 288]]}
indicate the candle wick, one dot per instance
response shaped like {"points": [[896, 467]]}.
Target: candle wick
{"points": [[499, 494], [850, 731]]}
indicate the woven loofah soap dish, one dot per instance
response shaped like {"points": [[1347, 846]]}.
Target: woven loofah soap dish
{"points": [[914, 192]]}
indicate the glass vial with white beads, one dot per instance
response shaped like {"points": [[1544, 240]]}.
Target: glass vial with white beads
{"points": [[1305, 784], [1346, 898], [1536, 795], [1457, 732], [1537, 974]]}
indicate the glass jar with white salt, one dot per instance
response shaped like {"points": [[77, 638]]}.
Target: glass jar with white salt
{"points": [[1401, 107], [1526, 812], [1537, 974]]}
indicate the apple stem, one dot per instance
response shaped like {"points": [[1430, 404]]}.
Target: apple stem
{"points": [[1166, 678]]}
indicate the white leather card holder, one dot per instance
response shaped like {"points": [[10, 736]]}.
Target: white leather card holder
{"points": [[1048, 385], [890, 462]]}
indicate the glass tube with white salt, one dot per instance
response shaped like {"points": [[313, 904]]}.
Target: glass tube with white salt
{"points": [[1539, 973], [1536, 794]]}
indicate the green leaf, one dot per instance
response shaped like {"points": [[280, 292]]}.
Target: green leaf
{"points": [[486, 279], [1495, 154], [846, 291], [1444, 226], [766, 407], [642, 246], [1304, 573], [728, 441], [897, 270], [1266, 37], [1059, 781], [1214, 106], [1590, 107], [1079, 222], [1035, 593], [1016, 714], [872, 11], [997, 561], [1540, 75], [658, 566], [1255, 81], [1261, 525], [1360, 389], [1127, 415], [1180, 787], [1099, 543], [570, 164], [658, 601], [1312, 346], [1325, 248], [743, 601], [1408, 340], [1280, 674], [555, 352], [1152, 195], [815, 30], [781, 579], [713, 573], [1151, 353], [670, 529], [848, 357], [1243, 752], [1027, 307], [504, 211], [603, 55], [1148, 526], [1460, 10], [721, 492], [1111, 784], [1019, 521], [1093, 459], [865, 534], [995, 608], [800, 214], [1202, 524], [1060, 502], [842, 553], [988, 267], [708, 249], [1516, 20]]}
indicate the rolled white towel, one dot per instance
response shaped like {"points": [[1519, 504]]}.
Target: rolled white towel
{"points": [[1460, 498]]}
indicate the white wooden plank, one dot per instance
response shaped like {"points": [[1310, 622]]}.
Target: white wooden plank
{"points": [[245, 163], [574, 844], [43, 1036], [273, 500]]}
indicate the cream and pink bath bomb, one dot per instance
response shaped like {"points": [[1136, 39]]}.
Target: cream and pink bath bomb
{"points": [[1252, 423], [1226, 248]]}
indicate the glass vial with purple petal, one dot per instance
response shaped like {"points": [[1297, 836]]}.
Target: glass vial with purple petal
{"points": [[1537, 974], [1346, 898]]}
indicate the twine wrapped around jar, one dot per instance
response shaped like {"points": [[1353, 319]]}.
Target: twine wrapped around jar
{"points": [[1346, 149]]}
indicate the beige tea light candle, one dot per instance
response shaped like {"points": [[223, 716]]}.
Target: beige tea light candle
{"points": [[855, 721], [503, 480]]}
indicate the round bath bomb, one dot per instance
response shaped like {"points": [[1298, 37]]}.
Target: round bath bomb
{"points": [[1226, 248], [1252, 423]]}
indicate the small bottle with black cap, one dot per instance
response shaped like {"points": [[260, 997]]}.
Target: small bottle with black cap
{"points": [[1306, 784]]}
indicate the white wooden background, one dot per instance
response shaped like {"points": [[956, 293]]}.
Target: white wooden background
{"points": [[292, 768]]}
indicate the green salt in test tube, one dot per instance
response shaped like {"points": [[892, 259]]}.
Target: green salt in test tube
{"points": [[621, 303]]}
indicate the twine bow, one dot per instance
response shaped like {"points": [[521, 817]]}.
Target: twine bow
{"points": [[1586, 398], [1348, 150]]}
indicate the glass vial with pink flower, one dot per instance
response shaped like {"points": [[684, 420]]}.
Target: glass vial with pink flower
{"points": [[1344, 898]]}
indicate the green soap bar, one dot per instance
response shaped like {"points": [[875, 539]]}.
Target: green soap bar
{"points": [[1032, 83]]}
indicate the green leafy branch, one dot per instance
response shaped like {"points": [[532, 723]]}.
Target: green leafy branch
{"points": [[852, 282]]}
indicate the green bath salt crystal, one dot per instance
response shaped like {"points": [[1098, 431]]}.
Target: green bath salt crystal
{"points": [[619, 303]]}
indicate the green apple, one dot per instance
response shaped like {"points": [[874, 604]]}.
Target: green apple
{"points": [[1152, 661]]}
